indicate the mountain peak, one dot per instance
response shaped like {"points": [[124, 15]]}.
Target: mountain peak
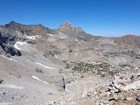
{"points": [[67, 26], [13, 23]]}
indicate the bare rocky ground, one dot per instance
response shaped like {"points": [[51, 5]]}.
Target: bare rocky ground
{"points": [[66, 66]]}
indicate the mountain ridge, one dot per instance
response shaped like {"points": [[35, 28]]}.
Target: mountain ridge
{"points": [[133, 40], [43, 66]]}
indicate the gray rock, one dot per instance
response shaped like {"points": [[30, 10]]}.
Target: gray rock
{"points": [[138, 98], [8, 49], [1, 81]]}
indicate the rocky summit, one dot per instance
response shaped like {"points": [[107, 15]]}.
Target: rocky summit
{"points": [[67, 66]]}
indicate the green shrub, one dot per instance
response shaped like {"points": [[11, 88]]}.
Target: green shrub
{"points": [[51, 53], [100, 68], [68, 66]]}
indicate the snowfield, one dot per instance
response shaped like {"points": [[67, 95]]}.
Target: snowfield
{"points": [[32, 37], [21, 45], [11, 86], [39, 79]]}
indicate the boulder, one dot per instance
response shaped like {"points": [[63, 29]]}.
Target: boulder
{"points": [[138, 98], [1, 81]]}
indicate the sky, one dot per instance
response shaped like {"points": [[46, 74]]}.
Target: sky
{"points": [[98, 17]]}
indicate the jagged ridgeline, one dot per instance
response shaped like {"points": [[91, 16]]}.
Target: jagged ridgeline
{"points": [[67, 66]]}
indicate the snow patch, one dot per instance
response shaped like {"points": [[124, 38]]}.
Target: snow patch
{"points": [[77, 41], [8, 58], [21, 45], [82, 41], [32, 37], [11, 86], [56, 56], [44, 65], [76, 54], [39, 80], [50, 34]]}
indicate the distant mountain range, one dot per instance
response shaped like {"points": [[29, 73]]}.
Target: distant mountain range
{"points": [[19, 30]]}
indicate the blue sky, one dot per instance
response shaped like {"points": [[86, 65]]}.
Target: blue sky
{"points": [[98, 17]]}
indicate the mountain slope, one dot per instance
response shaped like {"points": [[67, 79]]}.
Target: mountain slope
{"points": [[66, 66], [128, 40], [76, 32]]}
